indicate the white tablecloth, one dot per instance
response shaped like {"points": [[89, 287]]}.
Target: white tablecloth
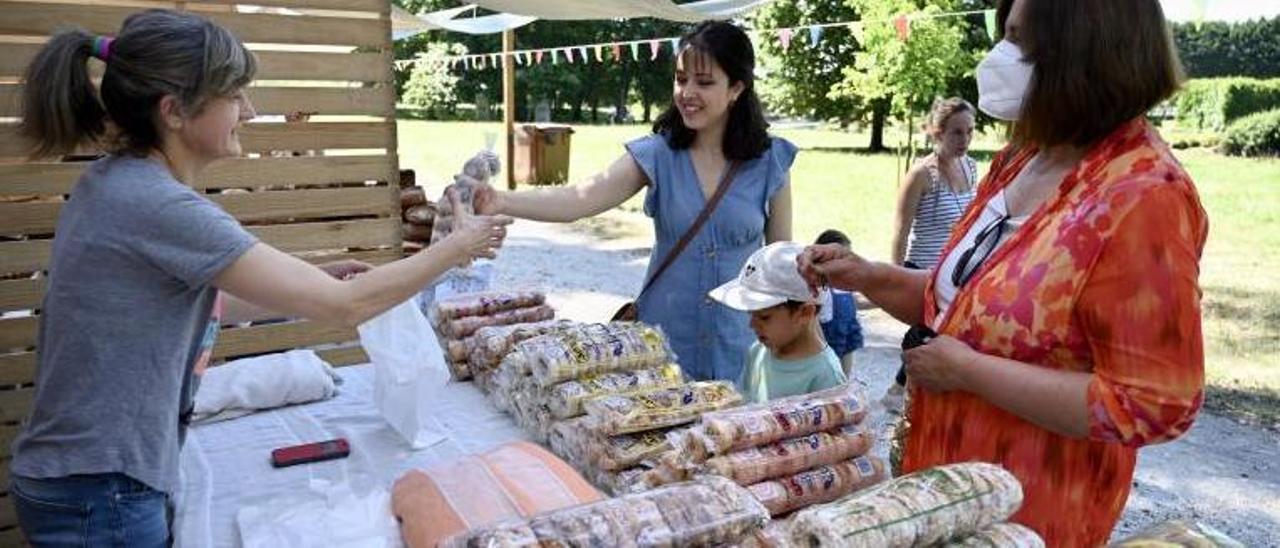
{"points": [[228, 484]]}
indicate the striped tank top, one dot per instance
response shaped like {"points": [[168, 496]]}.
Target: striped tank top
{"points": [[938, 210]]}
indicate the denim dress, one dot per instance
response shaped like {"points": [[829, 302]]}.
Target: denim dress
{"points": [[709, 339]]}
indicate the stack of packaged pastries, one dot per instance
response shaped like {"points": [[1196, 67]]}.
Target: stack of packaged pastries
{"points": [[604, 397], [789, 453], [965, 504], [460, 317], [711, 511]]}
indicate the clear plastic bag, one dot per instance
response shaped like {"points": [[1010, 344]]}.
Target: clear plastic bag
{"points": [[618, 346], [790, 417], [782, 458], [1179, 533], [461, 328], [661, 408], [567, 398], [708, 512], [487, 304], [1006, 535], [919, 509], [819, 485]]}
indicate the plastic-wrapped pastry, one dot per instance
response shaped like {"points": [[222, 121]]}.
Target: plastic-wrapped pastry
{"points": [[1005, 535], [782, 458], [819, 485], [570, 439], [709, 512], [621, 346], [566, 399], [490, 344], [487, 304], [661, 408], [618, 452], [461, 328], [789, 417], [919, 509]]}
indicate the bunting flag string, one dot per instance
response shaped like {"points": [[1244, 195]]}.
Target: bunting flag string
{"points": [[901, 23]]}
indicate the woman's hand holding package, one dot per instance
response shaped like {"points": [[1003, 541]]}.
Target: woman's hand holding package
{"points": [[475, 236], [941, 364]]}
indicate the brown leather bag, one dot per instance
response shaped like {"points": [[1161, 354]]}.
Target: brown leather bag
{"points": [[629, 312]]}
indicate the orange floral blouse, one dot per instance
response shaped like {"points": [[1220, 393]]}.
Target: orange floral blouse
{"points": [[1101, 279]]}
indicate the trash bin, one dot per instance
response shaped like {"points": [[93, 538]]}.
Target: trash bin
{"points": [[542, 154]]}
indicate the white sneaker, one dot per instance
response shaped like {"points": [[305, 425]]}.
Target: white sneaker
{"points": [[894, 399]]}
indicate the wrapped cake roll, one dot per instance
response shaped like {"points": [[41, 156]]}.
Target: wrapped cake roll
{"points": [[487, 304], [566, 399], [621, 346], [920, 509], [622, 482], [570, 439], [819, 485], [490, 344], [782, 458], [618, 452], [790, 417], [461, 328], [1003, 535], [661, 408], [709, 512]]}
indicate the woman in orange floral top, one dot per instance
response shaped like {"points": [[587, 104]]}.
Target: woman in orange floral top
{"points": [[1067, 300]]}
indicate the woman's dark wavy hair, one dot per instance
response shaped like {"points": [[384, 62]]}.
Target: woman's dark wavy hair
{"points": [[746, 134]]}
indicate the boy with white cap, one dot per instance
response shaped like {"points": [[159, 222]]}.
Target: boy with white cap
{"points": [[790, 356]]}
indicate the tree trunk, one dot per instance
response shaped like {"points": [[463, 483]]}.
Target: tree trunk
{"points": [[648, 112], [879, 113]]}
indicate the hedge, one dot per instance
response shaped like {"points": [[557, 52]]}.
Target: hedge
{"points": [[1254, 135], [1213, 103]]}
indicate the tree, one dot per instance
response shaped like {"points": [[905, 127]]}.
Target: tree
{"points": [[431, 85], [1216, 48], [909, 71], [797, 80]]}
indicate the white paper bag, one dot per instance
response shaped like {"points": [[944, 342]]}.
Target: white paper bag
{"points": [[408, 370]]}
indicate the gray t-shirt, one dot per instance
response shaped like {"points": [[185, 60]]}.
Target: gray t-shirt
{"points": [[126, 319]]}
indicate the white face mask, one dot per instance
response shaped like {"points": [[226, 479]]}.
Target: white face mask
{"points": [[1003, 79]]}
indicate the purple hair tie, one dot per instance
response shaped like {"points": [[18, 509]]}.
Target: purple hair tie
{"points": [[102, 47]]}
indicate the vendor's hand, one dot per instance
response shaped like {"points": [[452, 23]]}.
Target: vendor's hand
{"points": [[487, 200], [345, 269], [940, 365], [833, 265], [474, 236]]}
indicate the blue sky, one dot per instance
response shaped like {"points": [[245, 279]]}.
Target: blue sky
{"points": [[1220, 10]]}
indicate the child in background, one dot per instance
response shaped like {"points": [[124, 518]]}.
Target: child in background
{"points": [[789, 356], [839, 320]]}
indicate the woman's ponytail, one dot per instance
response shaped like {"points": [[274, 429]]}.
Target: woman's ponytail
{"points": [[61, 108]]}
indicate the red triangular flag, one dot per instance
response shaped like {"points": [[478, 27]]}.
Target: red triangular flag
{"points": [[904, 27], [617, 52], [537, 56], [654, 47]]}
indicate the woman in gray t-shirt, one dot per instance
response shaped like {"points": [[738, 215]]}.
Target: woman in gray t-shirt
{"points": [[142, 264]]}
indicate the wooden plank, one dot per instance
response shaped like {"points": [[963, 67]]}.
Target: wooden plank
{"points": [[46, 178], [373, 256], [28, 217], [8, 515], [309, 204], [28, 256], [277, 337], [305, 65], [317, 136], [272, 65], [375, 101], [263, 137], [12, 537], [339, 357], [33, 255], [18, 332], [330, 235], [377, 6], [14, 404], [33, 18], [17, 368], [8, 432], [372, 101], [21, 294]]}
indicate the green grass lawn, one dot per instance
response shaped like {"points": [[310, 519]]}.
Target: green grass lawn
{"points": [[836, 187]]}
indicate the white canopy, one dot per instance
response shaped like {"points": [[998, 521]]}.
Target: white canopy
{"points": [[517, 13]]}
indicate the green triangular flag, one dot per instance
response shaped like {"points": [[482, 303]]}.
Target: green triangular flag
{"points": [[990, 16]]}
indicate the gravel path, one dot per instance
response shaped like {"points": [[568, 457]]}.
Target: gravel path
{"points": [[1222, 473]]}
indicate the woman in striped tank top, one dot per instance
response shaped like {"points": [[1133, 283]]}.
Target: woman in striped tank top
{"points": [[935, 193]]}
